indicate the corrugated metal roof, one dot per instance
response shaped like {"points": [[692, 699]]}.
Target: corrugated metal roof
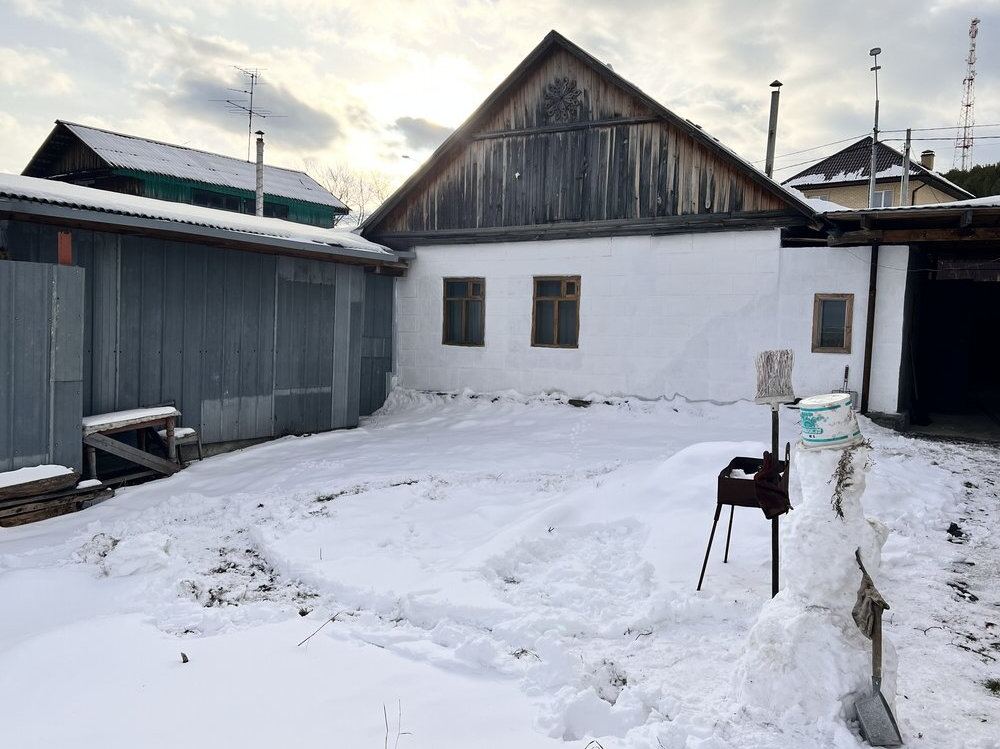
{"points": [[853, 164], [143, 155], [309, 238]]}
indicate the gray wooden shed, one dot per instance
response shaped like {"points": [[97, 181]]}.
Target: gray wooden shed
{"points": [[255, 328]]}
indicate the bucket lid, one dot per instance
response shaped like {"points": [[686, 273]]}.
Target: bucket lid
{"points": [[825, 400]]}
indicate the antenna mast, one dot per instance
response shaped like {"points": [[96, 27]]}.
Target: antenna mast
{"points": [[967, 118], [253, 75]]}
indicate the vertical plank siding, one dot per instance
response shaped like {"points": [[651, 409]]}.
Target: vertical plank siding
{"points": [[41, 347], [613, 158], [247, 345]]}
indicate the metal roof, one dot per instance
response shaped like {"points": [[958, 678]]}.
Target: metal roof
{"points": [[143, 155], [33, 195], [853, 165]]}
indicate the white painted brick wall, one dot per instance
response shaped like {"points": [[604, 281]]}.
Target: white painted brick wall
{"points": [[658, 315]]}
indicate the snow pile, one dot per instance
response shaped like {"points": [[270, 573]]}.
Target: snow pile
{"points": [[806, 661]]}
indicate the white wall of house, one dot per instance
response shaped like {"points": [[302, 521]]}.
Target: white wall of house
{"points": [[659, 316]]}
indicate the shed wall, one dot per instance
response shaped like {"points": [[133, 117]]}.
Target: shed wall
{"points": [[247, 345], [41, 326]]}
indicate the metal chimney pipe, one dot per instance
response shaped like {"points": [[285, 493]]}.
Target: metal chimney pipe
{"points": [[772, 128], [259, 203]]}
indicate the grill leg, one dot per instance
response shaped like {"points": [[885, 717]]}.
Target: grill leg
{"points": [[729, 533], [715, 522]]}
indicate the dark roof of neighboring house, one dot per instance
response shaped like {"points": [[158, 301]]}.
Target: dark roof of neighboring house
{"points": [[553, 39], [130, 152], [80, 205], [852, 165]]}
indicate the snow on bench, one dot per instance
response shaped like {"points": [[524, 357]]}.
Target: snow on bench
{"points": [[123, 419]]}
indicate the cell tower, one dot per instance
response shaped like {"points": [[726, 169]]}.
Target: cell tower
{"points": [[967, 116]]}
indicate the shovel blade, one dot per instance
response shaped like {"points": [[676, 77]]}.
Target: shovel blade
{"points": [[877, 724]]}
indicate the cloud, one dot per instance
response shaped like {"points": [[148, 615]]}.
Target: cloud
{"points": [[285, 117], [421, 134], [41, 67]]}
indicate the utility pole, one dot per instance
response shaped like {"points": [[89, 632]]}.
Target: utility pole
{"points": [[904, 186], [967, 117]]}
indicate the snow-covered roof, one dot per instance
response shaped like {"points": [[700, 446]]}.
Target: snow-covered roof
{"points": [[991, 201], [277, 231], [853, 164], [121, 151]]}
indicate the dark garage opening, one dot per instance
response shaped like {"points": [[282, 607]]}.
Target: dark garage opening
{"points": [[956, 336]]}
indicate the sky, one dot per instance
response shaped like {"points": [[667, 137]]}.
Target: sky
{"points": [[378, 85]]}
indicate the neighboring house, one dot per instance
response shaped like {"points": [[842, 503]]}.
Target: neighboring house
{"points": [[845, 178], [137, 166], [574, 235], [255, 327]]}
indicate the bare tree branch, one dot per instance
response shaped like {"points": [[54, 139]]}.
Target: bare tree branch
{"points": [[361, 191]]}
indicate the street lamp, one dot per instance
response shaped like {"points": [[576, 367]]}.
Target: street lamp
{"points": [[874, 52]]}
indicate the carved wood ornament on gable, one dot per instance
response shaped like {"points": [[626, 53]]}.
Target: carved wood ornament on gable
{"points": [[562, 100]]}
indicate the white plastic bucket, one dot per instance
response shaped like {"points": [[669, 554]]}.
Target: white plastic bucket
{"points": [[828, 421]]}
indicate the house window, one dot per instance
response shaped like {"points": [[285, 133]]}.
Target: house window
{"points": [[883, 199], [556, 319], [832, 315], [464, 308]]}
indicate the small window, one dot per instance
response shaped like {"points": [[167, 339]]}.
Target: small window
{"points": [[832, 315], [464, 311], [556, 318], [883, 199]]}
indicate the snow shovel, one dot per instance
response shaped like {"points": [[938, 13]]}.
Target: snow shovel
{"points": [[878, 726]]}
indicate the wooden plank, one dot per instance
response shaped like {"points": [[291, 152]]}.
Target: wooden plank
{"points": [[131, 454]]}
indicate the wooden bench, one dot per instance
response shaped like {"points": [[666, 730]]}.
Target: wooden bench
{"points": [[97, 428]]}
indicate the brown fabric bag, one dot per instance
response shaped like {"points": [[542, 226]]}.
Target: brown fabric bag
{"points": [[772, 496]]}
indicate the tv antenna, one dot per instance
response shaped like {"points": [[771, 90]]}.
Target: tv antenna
{"points": [[247, 108]]}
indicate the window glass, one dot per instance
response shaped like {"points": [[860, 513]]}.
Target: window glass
{"points": [[832, 323], [548, 287]]}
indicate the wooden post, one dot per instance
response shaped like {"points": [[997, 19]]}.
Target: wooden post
{"points": [[171, 443], [65, 245]]}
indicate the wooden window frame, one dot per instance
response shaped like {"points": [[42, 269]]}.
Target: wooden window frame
{"points": [[818, 300], [465, 305], [562, 297]]}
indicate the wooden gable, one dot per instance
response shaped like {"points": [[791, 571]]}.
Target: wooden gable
{"points": [[567, 147]]}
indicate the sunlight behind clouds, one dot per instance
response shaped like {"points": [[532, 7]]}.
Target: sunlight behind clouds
{"points": [[339, 77]]}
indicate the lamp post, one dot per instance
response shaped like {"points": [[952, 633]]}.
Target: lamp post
{"points": [[874, 52]]}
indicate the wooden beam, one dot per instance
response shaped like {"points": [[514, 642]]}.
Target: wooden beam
{"points": [[618, 227], [131, 454], [566, 127], [914, 236]]}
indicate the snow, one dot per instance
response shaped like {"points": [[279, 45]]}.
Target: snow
{"points": [[498, 571], [97, 422], [61, 193], [32, 473]]}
